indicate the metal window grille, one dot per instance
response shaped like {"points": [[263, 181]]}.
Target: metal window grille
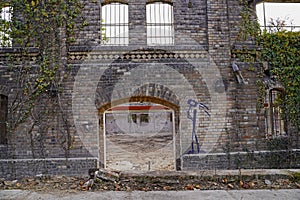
{"points": [[5, 39], [160, 24], [115, 24], [275, 25], [277, 123]]}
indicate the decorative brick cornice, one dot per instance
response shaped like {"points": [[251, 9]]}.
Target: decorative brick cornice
{"points": [[142, 55]]}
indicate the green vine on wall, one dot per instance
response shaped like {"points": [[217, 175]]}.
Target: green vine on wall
{"points": [[250, 27], [282, 51], [42, 29], [261, 95]]}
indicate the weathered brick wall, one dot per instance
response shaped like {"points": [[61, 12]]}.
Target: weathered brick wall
{"points": [[243, 160], [18, 168], [197, 66]]}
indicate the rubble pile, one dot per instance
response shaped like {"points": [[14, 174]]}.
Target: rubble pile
{"points": [[102, 180]]}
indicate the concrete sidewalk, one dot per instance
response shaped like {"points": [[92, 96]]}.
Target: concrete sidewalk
{"points": [[293, 194]]}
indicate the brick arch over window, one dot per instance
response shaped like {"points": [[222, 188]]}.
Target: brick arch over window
{"points": [[160, 95], [162, 1], [134, 59], [113, 1], [156, 100], [141, 98]]}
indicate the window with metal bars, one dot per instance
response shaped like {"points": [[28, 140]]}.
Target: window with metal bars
{"points": [[277, 123], [115, 24], [5, 17], [3, 118], [160, 24]]}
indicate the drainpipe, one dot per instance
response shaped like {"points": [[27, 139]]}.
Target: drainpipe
{"points": [[264, 13]]}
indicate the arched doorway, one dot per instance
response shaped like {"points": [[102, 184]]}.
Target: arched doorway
{"points": [[139, 135]]}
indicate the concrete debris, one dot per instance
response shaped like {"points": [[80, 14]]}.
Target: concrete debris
{"points": [[104, 174], [267, 182], [107, 175], [92, 172], [230, 186], [189, 187], [224, 180], [10, 183], [103, 179], [244, 185], [87, 185], [251, 184]]}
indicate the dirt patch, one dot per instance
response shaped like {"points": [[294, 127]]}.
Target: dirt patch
{"points": [[140, 152]]}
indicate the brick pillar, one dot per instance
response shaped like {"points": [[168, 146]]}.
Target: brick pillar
{"points": [[137, 23]]}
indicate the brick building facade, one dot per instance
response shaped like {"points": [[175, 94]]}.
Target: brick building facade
{"points": [[180, 61]]}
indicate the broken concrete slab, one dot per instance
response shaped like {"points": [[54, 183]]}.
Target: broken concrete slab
{"points": [[106, 175]]}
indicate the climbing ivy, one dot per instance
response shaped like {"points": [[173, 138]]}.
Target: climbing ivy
{"points": [[250, 28], [41, 30], [282, 51], [44, 25]]}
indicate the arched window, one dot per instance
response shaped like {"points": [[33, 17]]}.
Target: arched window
{"points": [[160, 25], [5, 18], [114, 28], [3, 118]]}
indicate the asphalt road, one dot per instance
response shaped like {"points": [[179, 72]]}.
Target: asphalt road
{"points": [[292, 194]]}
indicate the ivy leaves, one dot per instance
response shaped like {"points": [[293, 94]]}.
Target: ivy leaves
{"points": [[40, 32], [44, 24], [282, 51], [40, 17]]}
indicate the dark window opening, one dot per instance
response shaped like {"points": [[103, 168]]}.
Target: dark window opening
{"points": [[134, 118], [144, 118], [3, 118]]}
